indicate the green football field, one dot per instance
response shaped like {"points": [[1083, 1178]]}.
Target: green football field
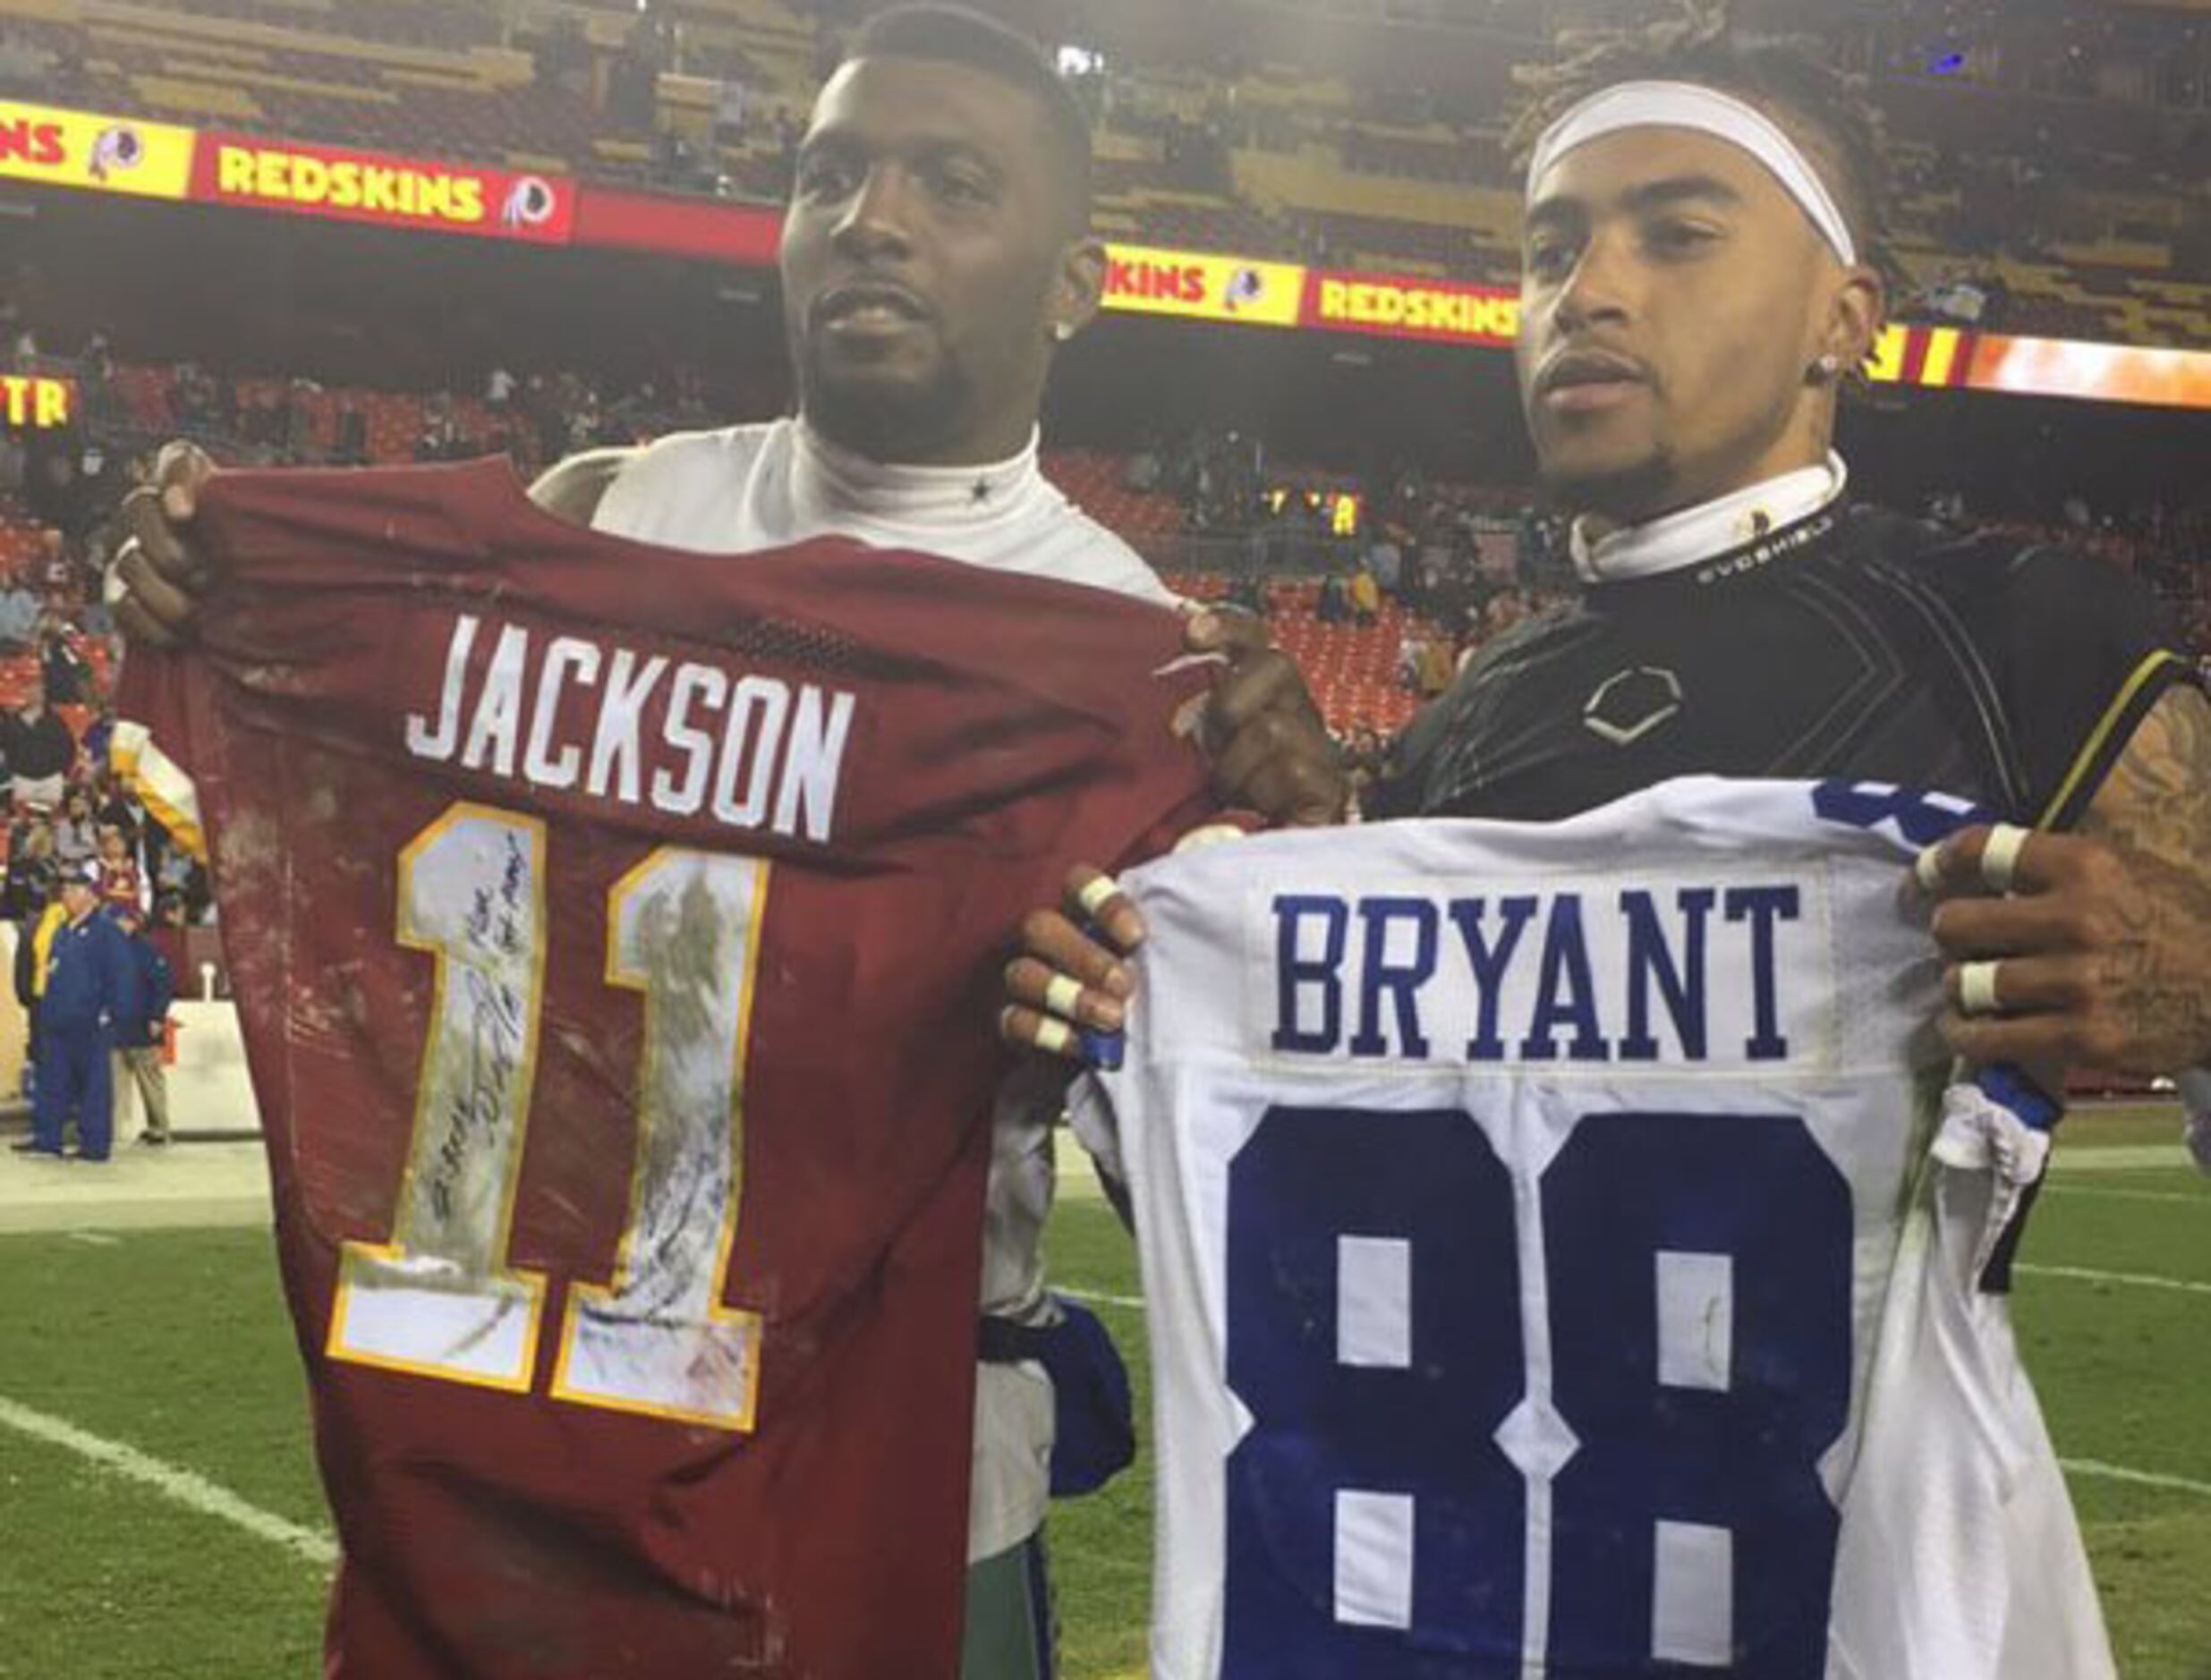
{"points": [[160, 1514]]}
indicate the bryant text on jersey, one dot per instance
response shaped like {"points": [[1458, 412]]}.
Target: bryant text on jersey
{"points": [[1638, 974], [749, 751]]}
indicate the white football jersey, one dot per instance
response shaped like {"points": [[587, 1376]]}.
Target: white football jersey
{"points": [[1564, 1258]]}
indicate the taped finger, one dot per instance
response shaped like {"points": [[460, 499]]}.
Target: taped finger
{"points": [[1927, 868], [1096, 893], [1063, 996], [2000, 856], [1977, 988]]}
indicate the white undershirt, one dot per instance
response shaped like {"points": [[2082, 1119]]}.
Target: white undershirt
{"points": [[1710, 528], [746, 489]]}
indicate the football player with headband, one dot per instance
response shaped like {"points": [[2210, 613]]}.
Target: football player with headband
{"points": [[1703, 276], [936, 254], [1703, 273]]}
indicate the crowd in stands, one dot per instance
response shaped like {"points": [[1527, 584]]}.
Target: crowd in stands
{"points": [[2059, 186], [1382, 584]]}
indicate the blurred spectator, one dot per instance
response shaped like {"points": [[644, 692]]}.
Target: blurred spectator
{"points": [[296, 416], [52, 570], [1412, 648], [120, 881], [77, 1009], [92, 746], [1439, 664], [42, 914], [19, 615], [95, 381], [349, 433], [30, 869], [1363, 754], [182, 882], [263, 423], [68, 679], [1386, 561], [39, 748], [1956, 297], [141, 1022], [76, 834], [442, 438], [1365, 597]]}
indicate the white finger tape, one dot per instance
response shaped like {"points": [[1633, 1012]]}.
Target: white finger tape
{"points": [[1063, 994], [1095, 892], [1977, 988], [1929, 868], [1055, 1037], [1999, 859]]}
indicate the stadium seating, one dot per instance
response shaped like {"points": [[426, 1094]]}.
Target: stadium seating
{"points": [[1093, 482], [1352, 668], [1364, 177]]}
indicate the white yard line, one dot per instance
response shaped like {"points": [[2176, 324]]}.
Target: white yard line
{"points": [[2138, 1477], [2118, 1158], [2131, 1280], [194, 1491], [2053, 1188], [1093, 1298]]}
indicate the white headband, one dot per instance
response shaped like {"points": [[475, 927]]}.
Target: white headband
{"points": [[1685, 104]]}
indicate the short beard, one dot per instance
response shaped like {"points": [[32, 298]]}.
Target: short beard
{"points": [[885, 422], [1628, 496]]}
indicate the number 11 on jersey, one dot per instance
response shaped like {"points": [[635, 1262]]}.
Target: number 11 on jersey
{"points": [[439, 1300]]}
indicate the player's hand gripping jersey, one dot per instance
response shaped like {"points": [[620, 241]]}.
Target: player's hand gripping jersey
{"points": [[1564, 1259], [616, 934]]}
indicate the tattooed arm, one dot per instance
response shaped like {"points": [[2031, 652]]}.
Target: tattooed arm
{"points": [[2104, 946]]}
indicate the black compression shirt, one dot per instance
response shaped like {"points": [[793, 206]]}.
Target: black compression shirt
{"points": [[1854, 643]]}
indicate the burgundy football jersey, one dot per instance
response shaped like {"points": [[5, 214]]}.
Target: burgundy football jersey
{"points": [[617, 933]]}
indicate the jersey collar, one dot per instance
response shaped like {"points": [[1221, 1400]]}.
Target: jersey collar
{"points": [[1710, 529], [830, 481]]}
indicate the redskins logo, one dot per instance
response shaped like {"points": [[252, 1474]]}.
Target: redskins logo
{"points": [[531, 202], [1247, 288], [117, 151]]}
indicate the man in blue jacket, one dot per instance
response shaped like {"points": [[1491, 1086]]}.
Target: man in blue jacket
{"points": [[141, 1012], [84, 982]]}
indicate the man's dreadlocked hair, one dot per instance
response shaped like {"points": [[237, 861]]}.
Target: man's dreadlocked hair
{"points": [[1784, 77]]}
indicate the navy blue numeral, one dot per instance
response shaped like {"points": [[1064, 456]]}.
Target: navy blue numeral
{"points": [[1743, 1458], [1720, 1437], [1922, 817], [1308, 1178]]}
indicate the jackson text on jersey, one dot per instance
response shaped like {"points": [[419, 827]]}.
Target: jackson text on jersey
{"points": [[1646, 971], [750, 750]]}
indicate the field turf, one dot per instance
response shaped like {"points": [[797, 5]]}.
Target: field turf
{"points": [[175, 1343]]}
